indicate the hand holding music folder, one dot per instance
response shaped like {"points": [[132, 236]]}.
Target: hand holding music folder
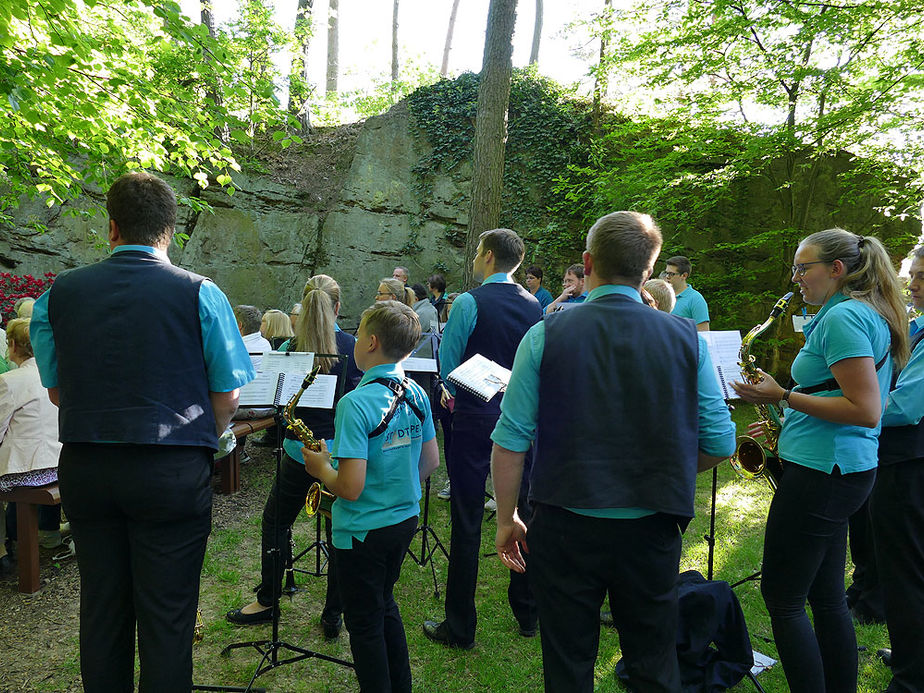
{"points": [[481, 377]]}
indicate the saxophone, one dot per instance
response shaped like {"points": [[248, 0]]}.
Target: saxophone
{"points": [[304, 434], [753, 459]]}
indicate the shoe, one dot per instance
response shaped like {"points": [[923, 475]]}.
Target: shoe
{"points": [[865, 617], [7, 565], [239, 618], [437, 632], [528, 632], [606, 618], [444, 494], [490, 505], [885, 654], [65, 528], [331, 630]]}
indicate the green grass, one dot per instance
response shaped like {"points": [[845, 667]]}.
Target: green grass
{"points": [[501, 660]]}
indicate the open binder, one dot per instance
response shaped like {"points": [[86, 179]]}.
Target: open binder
{"points": [[281, 375]]}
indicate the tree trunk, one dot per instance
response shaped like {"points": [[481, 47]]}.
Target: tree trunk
{"points": [[490, 127], [394, 46], [537, 34], [444, 70], [600, 81], [332, 48], [299, 81], [213, 90]]}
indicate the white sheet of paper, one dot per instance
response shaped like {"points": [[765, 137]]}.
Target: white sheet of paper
{"points": [[724, 346], [761, 663], [799, 321], [413, 364], [319, 395], [261, 390]]}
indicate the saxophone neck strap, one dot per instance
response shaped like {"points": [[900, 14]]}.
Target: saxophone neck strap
{"points": [[399, 389], [831, 384]]}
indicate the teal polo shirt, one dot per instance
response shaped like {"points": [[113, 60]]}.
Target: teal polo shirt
{"points": [[844, 328], [392, 490], [691, 304]]}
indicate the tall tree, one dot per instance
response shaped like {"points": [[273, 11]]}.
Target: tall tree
{"points": [[333, 49], [601, 71], [444, 70], [299, 78], [537, 35], [394, 45], [491, 126]]}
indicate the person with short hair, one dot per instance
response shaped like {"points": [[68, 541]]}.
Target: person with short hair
{"points": [[689, 302], [429, 320], [897, 506], [663, 294], [401, 274], [145, 362], [276, 327], [29, 446], [489, 320], [610, 491], [249, 320], [573, 289], [436, 284], [828, 446], [534, 285], [376, 466]]}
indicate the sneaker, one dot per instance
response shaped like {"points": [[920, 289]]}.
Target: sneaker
{"points": [[49, 539], [490, 505], [444, 493]]}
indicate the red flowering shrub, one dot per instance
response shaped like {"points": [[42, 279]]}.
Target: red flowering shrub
{"points": [[14, 287]]}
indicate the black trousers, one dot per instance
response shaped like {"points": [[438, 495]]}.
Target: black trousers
{"points": [[805, 549], [368, 575], [140, 518], [574, 560], [865, 593], [292, 485], [898, 522], [471, 462]]}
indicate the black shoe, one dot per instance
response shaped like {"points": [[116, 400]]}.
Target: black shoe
{"points": [[7, 565], [331, 628], [527, 632], [239, 618], [865, 617], [437, 632], [885, 654]]}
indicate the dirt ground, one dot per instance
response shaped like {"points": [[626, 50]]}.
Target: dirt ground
{"points": [[39, 633]]}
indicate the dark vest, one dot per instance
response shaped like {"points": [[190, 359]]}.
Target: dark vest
{"points": [[618, 422], [129, 351], [901, 443], [505, 312]]}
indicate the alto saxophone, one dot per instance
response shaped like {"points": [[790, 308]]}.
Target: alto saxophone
{"points": [[304, 434], [753, 459]]}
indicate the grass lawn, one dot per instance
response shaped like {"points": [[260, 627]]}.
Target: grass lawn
{"points": [[501, 660]]}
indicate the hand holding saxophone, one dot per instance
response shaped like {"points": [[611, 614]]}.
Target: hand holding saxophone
{"points": [[764, 391], [317, 462]]}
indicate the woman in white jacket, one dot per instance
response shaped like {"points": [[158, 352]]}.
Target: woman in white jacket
{"points": [[29, 446]]}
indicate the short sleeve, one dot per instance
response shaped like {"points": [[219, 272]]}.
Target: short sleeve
{"points": [[226, 360], [352, 426], [846, 334]]}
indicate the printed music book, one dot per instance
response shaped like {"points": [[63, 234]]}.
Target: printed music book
{"points": [[281, 375], [481, 376]]}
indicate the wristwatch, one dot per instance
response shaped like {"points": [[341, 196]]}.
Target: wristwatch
{"points": [[784, 402]]}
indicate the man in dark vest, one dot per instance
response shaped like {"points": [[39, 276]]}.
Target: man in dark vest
{"points": [[144, 361], [897, 507], [614, 473], [489, 320]]}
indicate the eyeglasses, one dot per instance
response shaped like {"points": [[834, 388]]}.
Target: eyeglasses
{"points": [[667, 275], [799, 270]]}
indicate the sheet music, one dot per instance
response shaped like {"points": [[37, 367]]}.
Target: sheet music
{"points": [[723, 349], [319, 395], [413, 364], [262, 390], [481, 376]]}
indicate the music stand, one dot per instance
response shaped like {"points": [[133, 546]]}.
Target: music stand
{"points": [[270, 649]]}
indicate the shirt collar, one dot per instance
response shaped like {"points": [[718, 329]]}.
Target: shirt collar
{"points": [[383, 370], [156, 252], [497, 277], [610, 289]]}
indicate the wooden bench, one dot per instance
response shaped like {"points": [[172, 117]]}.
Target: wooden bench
{"points": [[229, 466], [27, 500]]}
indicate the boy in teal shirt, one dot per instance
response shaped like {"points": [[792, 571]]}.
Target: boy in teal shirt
{"points": [[384, 447]]}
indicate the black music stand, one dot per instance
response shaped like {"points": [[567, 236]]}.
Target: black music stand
{"points": [[270, 649]]}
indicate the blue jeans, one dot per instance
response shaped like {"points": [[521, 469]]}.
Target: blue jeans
{"points": [[805, 548]]}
